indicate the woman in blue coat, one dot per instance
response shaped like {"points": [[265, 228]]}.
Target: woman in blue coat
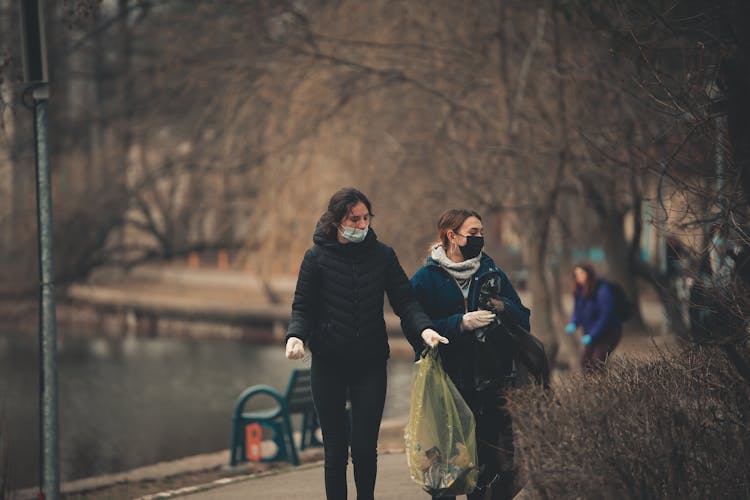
{"points": [[595, 311], [456, 278]]}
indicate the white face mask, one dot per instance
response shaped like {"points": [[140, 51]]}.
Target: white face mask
{"points": [[354, 234]]}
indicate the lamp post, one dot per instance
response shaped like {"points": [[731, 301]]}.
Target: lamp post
{"points": [[721, 265], [35, 75]]}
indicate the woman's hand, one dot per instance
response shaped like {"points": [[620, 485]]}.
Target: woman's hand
{"points": [[295, 348], [432, 338], [476, 319]]}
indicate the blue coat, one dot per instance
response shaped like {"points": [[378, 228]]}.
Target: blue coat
{"points": [[596, 314], [442, 300]]}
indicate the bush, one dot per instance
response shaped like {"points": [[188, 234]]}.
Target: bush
{"points": [[676, 427]]}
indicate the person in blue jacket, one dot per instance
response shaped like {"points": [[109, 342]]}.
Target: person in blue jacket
{"points": [[595, 311], [449, 287]]}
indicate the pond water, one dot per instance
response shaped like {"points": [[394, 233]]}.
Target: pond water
{"points": [[128, 402]]}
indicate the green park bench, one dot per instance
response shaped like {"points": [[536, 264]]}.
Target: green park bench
{"points": [[247, 427]]}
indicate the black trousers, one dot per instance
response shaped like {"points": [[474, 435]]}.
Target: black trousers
{"points": [[365, 385], [495, 448]]}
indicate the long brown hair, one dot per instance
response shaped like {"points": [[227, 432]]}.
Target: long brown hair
{"points": [[589, 286], [452, 220], [339, 205]]}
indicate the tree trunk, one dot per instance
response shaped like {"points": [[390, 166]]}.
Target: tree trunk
{"points": [[617, 251], [541, 316]]}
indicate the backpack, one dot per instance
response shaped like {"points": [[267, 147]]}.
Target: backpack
{"points": [[622, 303]]}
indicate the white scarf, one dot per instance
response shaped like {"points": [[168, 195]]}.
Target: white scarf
{"points": [[461, 271]]}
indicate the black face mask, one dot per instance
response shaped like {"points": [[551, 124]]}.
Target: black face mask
{"points": [[473, 247]]}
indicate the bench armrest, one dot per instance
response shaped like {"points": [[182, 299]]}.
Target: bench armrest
{"points": [[256, 390]]}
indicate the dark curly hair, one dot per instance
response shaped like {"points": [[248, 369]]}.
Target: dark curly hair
{"points": [[339, 205]]}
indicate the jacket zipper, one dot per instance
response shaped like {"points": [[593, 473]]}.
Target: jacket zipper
{"points": [[356, 296], [466, 299]]}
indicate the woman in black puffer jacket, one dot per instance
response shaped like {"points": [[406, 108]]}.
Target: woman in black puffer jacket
{"points": [[338, 313]]}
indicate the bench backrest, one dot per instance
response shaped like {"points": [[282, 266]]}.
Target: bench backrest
{"points": [[298, 395]]}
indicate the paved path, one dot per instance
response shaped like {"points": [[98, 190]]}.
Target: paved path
{"points": [[306, 482]]}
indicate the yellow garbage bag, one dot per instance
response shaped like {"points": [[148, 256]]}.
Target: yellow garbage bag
{"points": [[441, 448]]}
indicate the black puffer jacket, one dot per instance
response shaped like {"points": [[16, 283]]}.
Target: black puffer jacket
{"points": [[338, 303]]}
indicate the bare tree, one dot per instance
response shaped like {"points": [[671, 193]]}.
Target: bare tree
{"points": [[693, 69], [196, 126]]}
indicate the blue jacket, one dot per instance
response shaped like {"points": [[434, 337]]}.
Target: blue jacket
{"points": [[596, 314], [442, 300]]}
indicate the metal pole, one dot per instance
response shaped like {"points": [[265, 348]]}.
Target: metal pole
{"points": [[34, 52], [47, 339], [646, 234], [719, 157], [720, 265]]}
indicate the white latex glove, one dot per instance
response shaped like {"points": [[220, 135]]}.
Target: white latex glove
{"points": [[477, 319], [431, 337], [295, 348]]}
